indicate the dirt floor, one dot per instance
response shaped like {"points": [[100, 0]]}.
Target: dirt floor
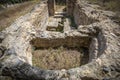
{"points": [[60, 58], [60, 8], [9, 15]]}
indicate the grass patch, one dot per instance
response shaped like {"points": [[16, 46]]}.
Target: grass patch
{"points": [[59, 58]]}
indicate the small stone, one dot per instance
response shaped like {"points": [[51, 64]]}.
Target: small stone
{"points": [[106, 79], [106, 69]]}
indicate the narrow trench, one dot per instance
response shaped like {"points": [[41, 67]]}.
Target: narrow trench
{"points": [[60, 21]]}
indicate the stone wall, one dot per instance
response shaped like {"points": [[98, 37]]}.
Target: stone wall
{"points": [[102, 43], [98, 42], [51, 7], [93, 50], [70, 41], [80, 17], [97, 46], [70, 7]]}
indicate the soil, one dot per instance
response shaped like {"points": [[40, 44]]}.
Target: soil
{"points": [[9, 15]]}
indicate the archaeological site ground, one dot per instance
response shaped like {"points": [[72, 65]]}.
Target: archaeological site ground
{"points": [[62, 40]]}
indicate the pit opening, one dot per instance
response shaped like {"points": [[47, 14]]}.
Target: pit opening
{"points": [[62, 53], [56, 54]]}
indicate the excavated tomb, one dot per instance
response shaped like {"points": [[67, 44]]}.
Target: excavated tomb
{"points": [[90, 51]]}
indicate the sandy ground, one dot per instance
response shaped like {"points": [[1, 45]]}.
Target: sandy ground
{"points": [[9, 15]]}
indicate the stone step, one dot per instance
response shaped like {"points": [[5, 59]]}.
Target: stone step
{"points": [[59, 16], [60, 13]]}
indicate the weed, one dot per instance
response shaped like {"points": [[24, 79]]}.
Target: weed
{"points": [[58, 58]]}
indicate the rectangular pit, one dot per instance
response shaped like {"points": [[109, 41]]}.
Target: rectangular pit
{"points": [[55, 54]]}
